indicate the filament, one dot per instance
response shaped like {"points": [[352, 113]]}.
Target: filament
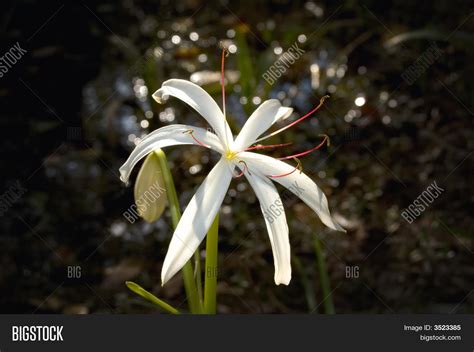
{"points": [[261, 146], [297, 167], [191, 132], [225, 52], [321, 102], [325, 140], [243, 171]]}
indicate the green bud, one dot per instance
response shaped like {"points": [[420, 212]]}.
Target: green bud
{"points": [[150, 191]]}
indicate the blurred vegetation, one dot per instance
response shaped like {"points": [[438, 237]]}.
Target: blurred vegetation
{"points": [[77, 103]]}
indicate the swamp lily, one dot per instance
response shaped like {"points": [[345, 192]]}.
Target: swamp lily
{"points": [[237, 159]]}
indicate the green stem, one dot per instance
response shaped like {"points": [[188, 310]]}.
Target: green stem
{"points": [[197, 274], [324, 277], [187, 270], [210, 282], [307, 284]]}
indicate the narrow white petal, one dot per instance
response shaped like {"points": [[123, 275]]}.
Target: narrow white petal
{"points": [[165, 137], [199, 100], [297, 182], [196, 219], [277, 227], [261, 120]]}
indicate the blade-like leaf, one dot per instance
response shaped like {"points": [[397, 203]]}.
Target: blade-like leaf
{"points": [[150, 297]]}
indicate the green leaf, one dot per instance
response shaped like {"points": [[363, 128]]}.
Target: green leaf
{"points": [[150, 190], [150, 297]]}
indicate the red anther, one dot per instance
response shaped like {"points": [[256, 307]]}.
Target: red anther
{"points": [[297, 167], [261, 146], [326, 139], [191, 132]]}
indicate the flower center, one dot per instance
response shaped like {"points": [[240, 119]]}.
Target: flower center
{"points": [[230, 155]]}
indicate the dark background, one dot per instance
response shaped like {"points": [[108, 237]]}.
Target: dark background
{"points": [[72, 106]]}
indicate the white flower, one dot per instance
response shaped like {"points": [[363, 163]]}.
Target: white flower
{"points": [[259, 169]]}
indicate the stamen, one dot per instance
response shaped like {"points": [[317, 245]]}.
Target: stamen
{"points": [[191, 132], [297, 167], [246, 169], [321, 102], [325, 140], [224, 54], [261, 146]]}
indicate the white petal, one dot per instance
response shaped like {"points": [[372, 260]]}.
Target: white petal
{"points": [[200, 101], [165, 137], [277, 227], [261, 120], [196, 219], [297, 182]]}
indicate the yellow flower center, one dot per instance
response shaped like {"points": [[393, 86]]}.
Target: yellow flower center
{"points": [[229, 155]]}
